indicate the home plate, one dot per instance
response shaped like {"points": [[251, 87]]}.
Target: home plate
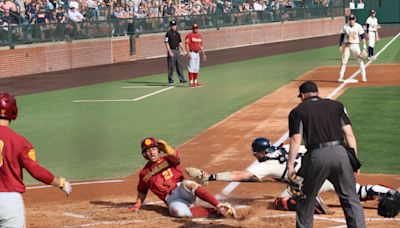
{"points": [[350, 80]]}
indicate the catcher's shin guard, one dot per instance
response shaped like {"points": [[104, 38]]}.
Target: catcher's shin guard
{"points": [[320, 207]]}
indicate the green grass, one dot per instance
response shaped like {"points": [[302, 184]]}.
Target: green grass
{"points": [[101, 140], [374, 112]]}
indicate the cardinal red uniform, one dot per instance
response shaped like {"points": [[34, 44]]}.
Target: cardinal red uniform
{"points": [[17, 153], [161, 177], [194, 45]]}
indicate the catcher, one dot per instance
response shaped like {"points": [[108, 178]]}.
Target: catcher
{"points": [[272, 163], [163, 176], [389, 205]]}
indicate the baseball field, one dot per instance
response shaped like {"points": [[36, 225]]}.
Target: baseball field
{"points": [[90, 134]]}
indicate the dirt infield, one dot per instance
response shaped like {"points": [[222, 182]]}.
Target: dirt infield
{"points": [[225, 146]]}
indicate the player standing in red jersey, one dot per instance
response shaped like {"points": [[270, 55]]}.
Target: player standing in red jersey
{"points": [[163, 176], [16, 153], [194, 45]]}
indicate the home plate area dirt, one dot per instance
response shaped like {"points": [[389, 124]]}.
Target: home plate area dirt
{"points": [[223, 147]]}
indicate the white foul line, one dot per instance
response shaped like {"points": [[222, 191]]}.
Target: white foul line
{"points": [[80, 183], [231, 186], [139, 87], [127, 100]]}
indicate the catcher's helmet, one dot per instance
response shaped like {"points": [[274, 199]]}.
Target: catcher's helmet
{"points": [[148, 143], [8, 106], [262, 144]]}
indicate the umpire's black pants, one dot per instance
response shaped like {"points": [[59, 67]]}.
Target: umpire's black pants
{"points": [[330, 163], [175, 61]]}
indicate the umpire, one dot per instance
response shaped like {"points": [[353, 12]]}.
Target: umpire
{"points": [[172, 43], [324, 124]]}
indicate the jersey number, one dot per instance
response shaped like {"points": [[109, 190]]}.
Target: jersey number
{"points": [[1, 152], [167, 174]]}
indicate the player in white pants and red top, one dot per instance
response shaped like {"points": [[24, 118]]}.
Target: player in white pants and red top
{"points": [[194, 45], [349, 43], [16, 153], [372, 30]]}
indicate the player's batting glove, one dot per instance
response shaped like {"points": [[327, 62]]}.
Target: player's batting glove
{"points": [[198, 175], [294, 184], [389, 204], [65, 186], [163, 146]]}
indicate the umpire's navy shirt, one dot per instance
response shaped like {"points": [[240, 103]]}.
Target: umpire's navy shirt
{"points": [[173, 38], [318, 120]]}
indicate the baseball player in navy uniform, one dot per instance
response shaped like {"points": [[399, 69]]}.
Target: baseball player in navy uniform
{"points": [[349, 43], [372, 31], [272, 162]]}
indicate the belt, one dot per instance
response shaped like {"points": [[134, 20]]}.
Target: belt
{"points": [[325, 144], [195, 51], [177, 48]]}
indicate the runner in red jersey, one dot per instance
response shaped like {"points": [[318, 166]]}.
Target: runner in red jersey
{"points": [[163, 176], [194, 45], [16, 153]]}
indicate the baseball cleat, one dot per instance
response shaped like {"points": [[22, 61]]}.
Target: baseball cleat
{"points": [[340, 80], [199, 85], [226, 210], [320, 207], [364, 80]]}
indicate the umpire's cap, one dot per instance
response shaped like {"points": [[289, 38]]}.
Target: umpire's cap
{"points": [[352, 17], [172, 23], [308, 87]]}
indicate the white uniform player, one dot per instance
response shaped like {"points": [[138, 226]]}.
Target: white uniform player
{"points": [[349, 43], [373, 36], [272, 163]]}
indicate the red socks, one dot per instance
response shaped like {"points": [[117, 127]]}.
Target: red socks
{"points": [[205, 195], [203, 212]]}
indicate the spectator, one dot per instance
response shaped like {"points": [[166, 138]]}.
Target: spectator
{"points": [[74, 4], [154, 10], [74, 15], [352, 5], [92, 10], [8, 5], [141, 13], [129, 10], [31, 11], [360, 4]]}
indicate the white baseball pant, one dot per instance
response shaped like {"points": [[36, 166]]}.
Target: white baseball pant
{"points": [[371, 39], [355, 49], [12, 212], [194, 62], [181, 198]]}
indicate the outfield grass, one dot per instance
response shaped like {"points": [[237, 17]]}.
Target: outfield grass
{"points": [[374, 112], [101, 140]]}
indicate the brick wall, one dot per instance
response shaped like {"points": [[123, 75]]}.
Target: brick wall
{"points": [[37, 58]]}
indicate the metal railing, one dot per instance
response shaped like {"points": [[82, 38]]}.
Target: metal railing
{"points": [[11, 35]]}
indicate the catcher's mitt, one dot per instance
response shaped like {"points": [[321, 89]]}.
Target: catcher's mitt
{"points": [[294, 184], [364, 54], [198, 175], [389, 204]]}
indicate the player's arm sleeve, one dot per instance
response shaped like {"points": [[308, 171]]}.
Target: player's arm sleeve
{"points": [[344, 117], [174, 159], [166, 38], [341, 39], [142, 187], [29, 162], [260, 170], [295, 124]]}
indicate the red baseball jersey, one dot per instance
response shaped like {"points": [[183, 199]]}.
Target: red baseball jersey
{"points": [[17, 153], [161, 177], [194, 40]]}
